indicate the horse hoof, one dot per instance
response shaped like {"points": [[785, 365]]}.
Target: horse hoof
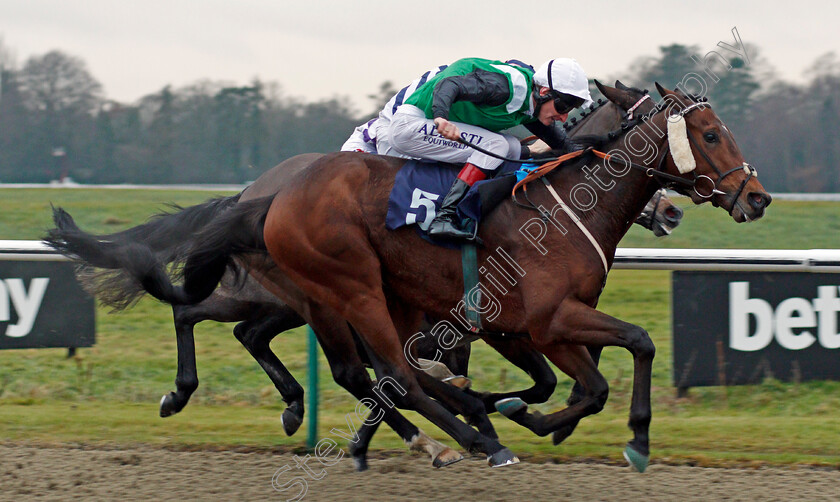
{"points": [[459, 381], [291, 421], [502, 458], [361, 463], [167, 405], [637, 461], [447, 457], [510, 406]]}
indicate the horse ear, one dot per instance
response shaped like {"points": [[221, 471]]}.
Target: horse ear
{"points": [[662, 91], [600, 86], [610, 93], [620, 86]]}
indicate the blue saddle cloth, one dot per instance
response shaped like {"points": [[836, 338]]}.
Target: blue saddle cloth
{"points": [[420, 186]]}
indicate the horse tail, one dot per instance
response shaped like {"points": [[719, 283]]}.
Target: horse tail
{"points": [[110, 264], [165, 232], [235, 232], [212, 250]]}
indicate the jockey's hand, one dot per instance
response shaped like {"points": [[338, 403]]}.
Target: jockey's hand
{"points": [[447, 129], [539, 147]]}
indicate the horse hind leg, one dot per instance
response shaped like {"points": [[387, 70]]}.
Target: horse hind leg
{"points": [[256, 335], [186, 380]]}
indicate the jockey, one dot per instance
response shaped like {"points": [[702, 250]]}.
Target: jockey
{"points": [[363, 138], [472, 100], [374, 137]]}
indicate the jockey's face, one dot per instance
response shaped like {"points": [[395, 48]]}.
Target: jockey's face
{"points": [[548, 113]]}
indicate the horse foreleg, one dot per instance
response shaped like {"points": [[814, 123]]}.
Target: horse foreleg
{"points": [[578, 326], [591, 327], [372, 320], [575, 362], [576, 395], [336, 340], [522, 354]]}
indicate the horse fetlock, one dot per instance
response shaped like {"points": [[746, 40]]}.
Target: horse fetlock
{"points": [[639, 420], [360, 463], [562, 433], [186, 387]]}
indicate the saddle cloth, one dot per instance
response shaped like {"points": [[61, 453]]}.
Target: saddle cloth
{"points": [[420, 186]]}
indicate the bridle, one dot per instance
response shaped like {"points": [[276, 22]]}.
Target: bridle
{"points": [[663, 178], [667, 180], [647, 217]]}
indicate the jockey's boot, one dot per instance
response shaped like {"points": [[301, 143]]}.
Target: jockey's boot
{"points": [[447, 224]]}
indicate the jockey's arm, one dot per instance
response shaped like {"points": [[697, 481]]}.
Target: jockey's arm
{"points": [[480, 86], [554, 135]]}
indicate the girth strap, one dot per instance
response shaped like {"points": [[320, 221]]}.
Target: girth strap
{"points": [[472, 299]]}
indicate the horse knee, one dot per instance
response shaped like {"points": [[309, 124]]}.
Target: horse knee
{"points": [[599, 392], [544, 388], [241, 331], [641, 345]]}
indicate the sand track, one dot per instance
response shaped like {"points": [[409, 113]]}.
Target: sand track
{"points": [[143, 473]]}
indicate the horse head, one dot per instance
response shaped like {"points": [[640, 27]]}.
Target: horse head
{"points": [[700, 146], [660, 215]]}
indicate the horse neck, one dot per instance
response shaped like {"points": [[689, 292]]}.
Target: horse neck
{"points": [[616, 208], [605, 118]]}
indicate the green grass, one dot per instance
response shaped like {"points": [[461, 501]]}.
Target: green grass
{"points": [[110, 392]]}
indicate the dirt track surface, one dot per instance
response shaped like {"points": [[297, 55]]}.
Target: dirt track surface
{"points": [[60, 473]]}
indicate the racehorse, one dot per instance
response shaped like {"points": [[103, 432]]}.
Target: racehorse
{"points": [[265, 315], [375, 253]]}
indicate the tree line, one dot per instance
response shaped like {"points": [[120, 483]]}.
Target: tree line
{"points": [[55, 121]]}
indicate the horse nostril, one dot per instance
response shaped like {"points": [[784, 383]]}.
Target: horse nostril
{"points": [[759, 200], [673, 214]]}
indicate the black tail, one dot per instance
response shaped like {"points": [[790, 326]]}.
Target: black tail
{"points": [[234, 232], [166, 234], [136, 259]]}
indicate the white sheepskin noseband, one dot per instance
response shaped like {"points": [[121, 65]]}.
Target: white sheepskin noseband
{"points": [[680, 147]]}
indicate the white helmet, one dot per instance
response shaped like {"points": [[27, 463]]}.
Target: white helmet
{"points": [[564, 75]]}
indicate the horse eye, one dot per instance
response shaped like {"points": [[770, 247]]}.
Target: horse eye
{"points": [[710, 137]]}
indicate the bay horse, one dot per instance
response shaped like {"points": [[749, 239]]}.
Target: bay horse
{"points": [[757, 198], [264, 316], [325, 232]]}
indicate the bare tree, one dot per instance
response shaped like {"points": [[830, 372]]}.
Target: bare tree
{"points": [[57, 83]]}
